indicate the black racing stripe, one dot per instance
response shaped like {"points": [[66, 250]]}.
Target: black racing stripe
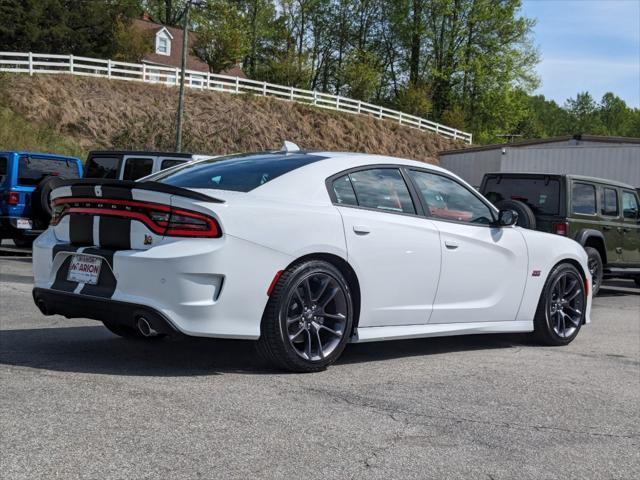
{"points": [[101, 252], [61, 282], [81, 229], [82, 191], [106, 282], [115, 233], [62, 247], [118, 193]]}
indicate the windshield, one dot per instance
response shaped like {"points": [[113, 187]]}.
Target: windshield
{"points": [[31, 170], [240, 173], [541, 194]]}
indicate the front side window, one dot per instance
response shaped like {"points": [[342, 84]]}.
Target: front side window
{"points": [[583, 199], [448, 200], [136, 168], [630, 207], [382, 189], [609, 205], [4, 166], [31, 170]]}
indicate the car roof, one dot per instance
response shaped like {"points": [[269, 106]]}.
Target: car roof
{"points": [[40, 154], [583, 178], [139, 152]]}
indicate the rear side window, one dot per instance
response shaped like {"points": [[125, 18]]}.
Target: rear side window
{"points": [[609, 202], [135, 168], [240, 173], [168, 163], [382, 189], [4, 167], [31, 170], [583, 199], [630, 205], [343, 190], [102, 167], [541, 194]]}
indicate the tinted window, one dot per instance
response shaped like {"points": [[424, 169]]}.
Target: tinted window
{"points": [[31, 170], [383, 189], [102, 167], [3, 169], [343, 191], [583, 199], [542, 195], [240, 173], [609, 205], [135, 168], [168, 163], [448, 200], [629, 205]]}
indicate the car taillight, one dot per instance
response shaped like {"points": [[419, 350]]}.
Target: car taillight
{"points": [[12, 198], [560, 228], [160, 219]]}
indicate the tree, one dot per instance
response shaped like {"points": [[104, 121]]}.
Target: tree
{"points": [[131, 42], [361, 74], [166, 12], [222, 38], [615, 116], [583, 113]]}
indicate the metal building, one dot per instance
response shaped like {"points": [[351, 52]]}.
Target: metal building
{"points": [[613, 158]]}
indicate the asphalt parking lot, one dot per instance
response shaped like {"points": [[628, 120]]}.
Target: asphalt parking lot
{"points": [[76, 401]]}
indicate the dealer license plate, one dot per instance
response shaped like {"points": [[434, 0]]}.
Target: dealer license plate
{"points": [[24, 224], [84, 269]]}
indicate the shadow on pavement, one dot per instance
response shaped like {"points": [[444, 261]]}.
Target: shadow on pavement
{"points": [[92, 349]]}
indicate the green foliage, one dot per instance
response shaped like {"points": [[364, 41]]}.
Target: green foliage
{"points": [[16, 133], [416, 100], [361, 74], [131, 42]]}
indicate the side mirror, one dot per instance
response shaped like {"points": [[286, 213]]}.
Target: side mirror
{"points": [[507, 218]]}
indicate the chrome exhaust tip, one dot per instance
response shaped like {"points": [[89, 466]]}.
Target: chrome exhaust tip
{"points": [[145, 328]]}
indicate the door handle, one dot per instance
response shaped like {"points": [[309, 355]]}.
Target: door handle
{"points": [[450, 244], [361, 230]]}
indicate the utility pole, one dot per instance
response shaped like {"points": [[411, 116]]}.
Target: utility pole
{"points": [[185, 46]]}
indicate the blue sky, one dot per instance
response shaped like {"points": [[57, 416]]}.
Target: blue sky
{"points": [[589, 45]]}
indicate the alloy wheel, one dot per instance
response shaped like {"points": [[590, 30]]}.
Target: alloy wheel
{"points": [[566, 304], [316, 316]]}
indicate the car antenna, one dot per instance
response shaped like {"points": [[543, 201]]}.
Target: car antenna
{"points": [[290, 147]]}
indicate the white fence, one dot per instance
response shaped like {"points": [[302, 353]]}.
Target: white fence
{"points": [[49, 63]]}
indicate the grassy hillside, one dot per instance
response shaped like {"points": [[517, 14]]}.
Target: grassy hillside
{"points": [[64, 114]]}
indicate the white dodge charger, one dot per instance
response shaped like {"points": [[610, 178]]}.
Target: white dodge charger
{"points": [[304, 252]]}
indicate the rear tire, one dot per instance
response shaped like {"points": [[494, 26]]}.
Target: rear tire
{"points": [[596, 268], [308, 319], [526, 217], [561, 308]]}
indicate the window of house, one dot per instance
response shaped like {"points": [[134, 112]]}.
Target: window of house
{"points": [[609, 205], [448, 200], [163, 46], [583, 199]]}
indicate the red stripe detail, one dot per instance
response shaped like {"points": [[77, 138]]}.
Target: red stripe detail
{"points": [[274, 282]]}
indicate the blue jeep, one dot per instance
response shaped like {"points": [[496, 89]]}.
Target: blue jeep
{"points": [[26, 181]]}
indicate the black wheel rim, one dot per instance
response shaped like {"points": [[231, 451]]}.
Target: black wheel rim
{"points": [[566, 304], [316, 316], [594, 270]]}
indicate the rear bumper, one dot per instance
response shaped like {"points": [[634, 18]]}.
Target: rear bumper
{"points": [[71, 305], [202, 287]]}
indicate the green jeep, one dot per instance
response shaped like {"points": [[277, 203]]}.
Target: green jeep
{"points": [[602, 215]]}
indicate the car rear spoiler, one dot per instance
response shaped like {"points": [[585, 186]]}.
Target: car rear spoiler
{"points": [[90, 183]]}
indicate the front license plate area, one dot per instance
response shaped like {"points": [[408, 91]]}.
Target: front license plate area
{"points": [[84, 269]]}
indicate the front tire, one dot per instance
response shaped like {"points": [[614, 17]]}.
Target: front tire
{"points": [[308, 319], [596, 268], [561, 309]]}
